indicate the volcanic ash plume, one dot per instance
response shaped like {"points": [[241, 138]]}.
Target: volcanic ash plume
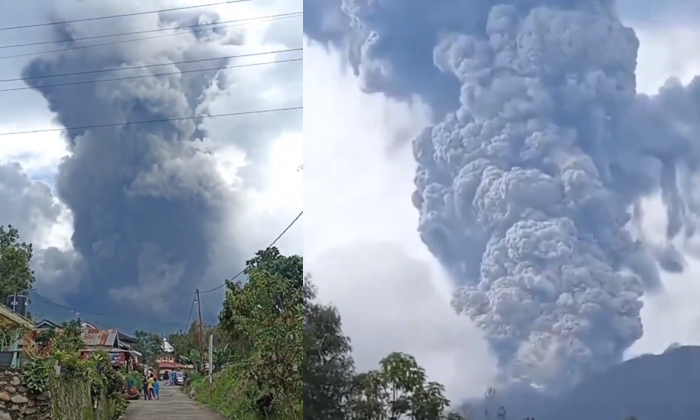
{"points": [[145, 199], [530, 191], [516, 195]]}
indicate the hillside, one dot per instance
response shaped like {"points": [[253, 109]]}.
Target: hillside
{"points": [[649, 387]]}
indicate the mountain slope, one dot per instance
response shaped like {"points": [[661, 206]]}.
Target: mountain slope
{"points": [[649, 387]]}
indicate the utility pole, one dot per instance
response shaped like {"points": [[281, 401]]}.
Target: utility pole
{"points": [[201, 328], [211, 358]]}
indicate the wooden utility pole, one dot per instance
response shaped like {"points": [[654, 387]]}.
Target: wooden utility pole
{"points": [[201, 329], [211, 358]]}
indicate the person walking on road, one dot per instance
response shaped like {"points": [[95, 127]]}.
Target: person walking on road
{"points": [[156, 388], [150, 387], [145, 388]]}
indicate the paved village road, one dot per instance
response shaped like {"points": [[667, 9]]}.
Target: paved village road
{"points": [[173, 405]]}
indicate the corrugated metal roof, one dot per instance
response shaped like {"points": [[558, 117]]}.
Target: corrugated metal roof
{"points": [[102, 338]]}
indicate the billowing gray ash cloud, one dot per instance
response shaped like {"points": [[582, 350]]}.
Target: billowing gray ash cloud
{"points": [[526, 188], [147, 203]]}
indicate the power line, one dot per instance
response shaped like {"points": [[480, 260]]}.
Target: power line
{"points": [[80, 47], [148, 31], [147, 66], [36, 25], [143, 76], [86, 127], [41, 298], [44, 299], [268, 247], [189, 317]]}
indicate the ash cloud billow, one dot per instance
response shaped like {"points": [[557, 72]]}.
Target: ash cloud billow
{"points": [[147, 202], [527, 182]]}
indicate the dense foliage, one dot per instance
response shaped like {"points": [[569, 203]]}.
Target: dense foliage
{"points": [[259, 355], [263, 320], [150, 345], [399, 389], [328, 365], [289, 359], [187, 345], [15, 259], [62, 348]]}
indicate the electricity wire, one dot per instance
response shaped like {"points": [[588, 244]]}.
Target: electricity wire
{"points": [[143, 76], [47, 300], [147, 66], [148, 31], [41, 298], [268, 247], [87, 127], [80, 47], [189, 317], [173, 9]]}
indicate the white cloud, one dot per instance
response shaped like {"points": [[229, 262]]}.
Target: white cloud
{"points": [[666, 51], [672, 315], [360, 239], [286, 190], [40, 153]]}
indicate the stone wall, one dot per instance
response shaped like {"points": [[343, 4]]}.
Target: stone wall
{"points": [[16, 402]]}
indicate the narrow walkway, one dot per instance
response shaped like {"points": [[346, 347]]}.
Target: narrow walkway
{"points": [[173, 405]]}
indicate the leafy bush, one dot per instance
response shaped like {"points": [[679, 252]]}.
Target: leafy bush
{"points": [[333, 390], [292, 360], [105, 385], [38, 375], [264, 320], [137, 378]]}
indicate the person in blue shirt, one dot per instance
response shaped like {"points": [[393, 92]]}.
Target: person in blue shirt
{"points": [[156, 387]]}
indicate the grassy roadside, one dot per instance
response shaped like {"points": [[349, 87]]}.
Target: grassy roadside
{"points": [[222, 396]]}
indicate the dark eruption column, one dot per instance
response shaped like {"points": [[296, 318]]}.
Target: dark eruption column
{"points": [[516, 196]]}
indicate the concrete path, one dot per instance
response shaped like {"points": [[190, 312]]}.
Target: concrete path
{"points": [[173, 405]]}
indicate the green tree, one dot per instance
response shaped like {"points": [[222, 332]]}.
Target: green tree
{"points": [[328, 365], [262, 320], [150, 345], [292, 360], [290, 269], [70, 338], [185, 341], [223, 356], [15, 259], [398, 390], [269, 318], [271, 260]]}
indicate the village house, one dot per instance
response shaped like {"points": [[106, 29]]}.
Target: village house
{"points": [[120, 346], [13, 328], [117, 344], [167, 362]]}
